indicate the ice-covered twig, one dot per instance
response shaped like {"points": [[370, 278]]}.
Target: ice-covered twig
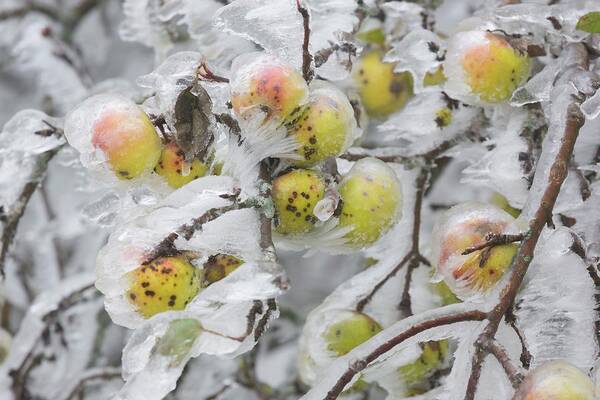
{"points": [[10, 218], [166, 247], [373, 349], [498, 351], [577, 55], [413, 257], [511, 320], [42, 315], [492, 239], [92, 374], [307, 58]]}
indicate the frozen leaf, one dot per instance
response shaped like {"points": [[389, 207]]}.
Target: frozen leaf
{"points": [[590, 22], [193, 118]]}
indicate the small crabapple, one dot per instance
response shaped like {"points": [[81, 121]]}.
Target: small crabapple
{"points": [[485, 65], [465, 226], [295, 195], [218, 267], [128, 140], [342, 336], [371, 201], [382, 91], [324, 126], [556, 380], [269, 85], [173, 167], [164, 284], [416, 374], [179, 339]]}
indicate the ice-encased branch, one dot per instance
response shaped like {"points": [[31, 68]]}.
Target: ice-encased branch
{"points": [[10, 218], [558, 147]]}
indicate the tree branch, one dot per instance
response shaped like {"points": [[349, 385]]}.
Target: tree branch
{"points": [[11, 218], [557, 174], [411, 331]]}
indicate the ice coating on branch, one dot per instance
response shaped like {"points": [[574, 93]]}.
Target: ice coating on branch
{"points": [[32, 328], [277, 26], [23, 140], [142, 24], [463, 226], [427, 120], [329, 375], [197, 18], [154, 357], [30, 132], [503, 168], [419, 53], [556, 306], [331, 22]]}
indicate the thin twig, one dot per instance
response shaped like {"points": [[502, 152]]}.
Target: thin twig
{"points": [[493, 239], [513, 374], [413, 330], [10, 218], [307, 58]]}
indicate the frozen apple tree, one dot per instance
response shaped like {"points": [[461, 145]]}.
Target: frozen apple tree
{"points": [[300, 199]]}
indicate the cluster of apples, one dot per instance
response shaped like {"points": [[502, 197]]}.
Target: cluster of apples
{"points": [[353, 328], [130, 144], [170, 283], [370, 201], [321, 120]]}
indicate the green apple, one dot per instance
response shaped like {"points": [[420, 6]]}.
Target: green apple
{"points": [[324, 126], [371, 201], [342, 336], [382, 90]]}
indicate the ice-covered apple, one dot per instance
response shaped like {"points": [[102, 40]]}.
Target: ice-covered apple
{"points": [[416, 374], [484, 66], [128, 140], [267, 84], [371, 199], [465, 226], [325, 126], [344, 335], [556, 380], [218, 267], [164, 284], [295, 195], [382, 90], [173, 167]]}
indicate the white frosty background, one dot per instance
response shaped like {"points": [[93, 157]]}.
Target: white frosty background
{"points": [[54, 231]]}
